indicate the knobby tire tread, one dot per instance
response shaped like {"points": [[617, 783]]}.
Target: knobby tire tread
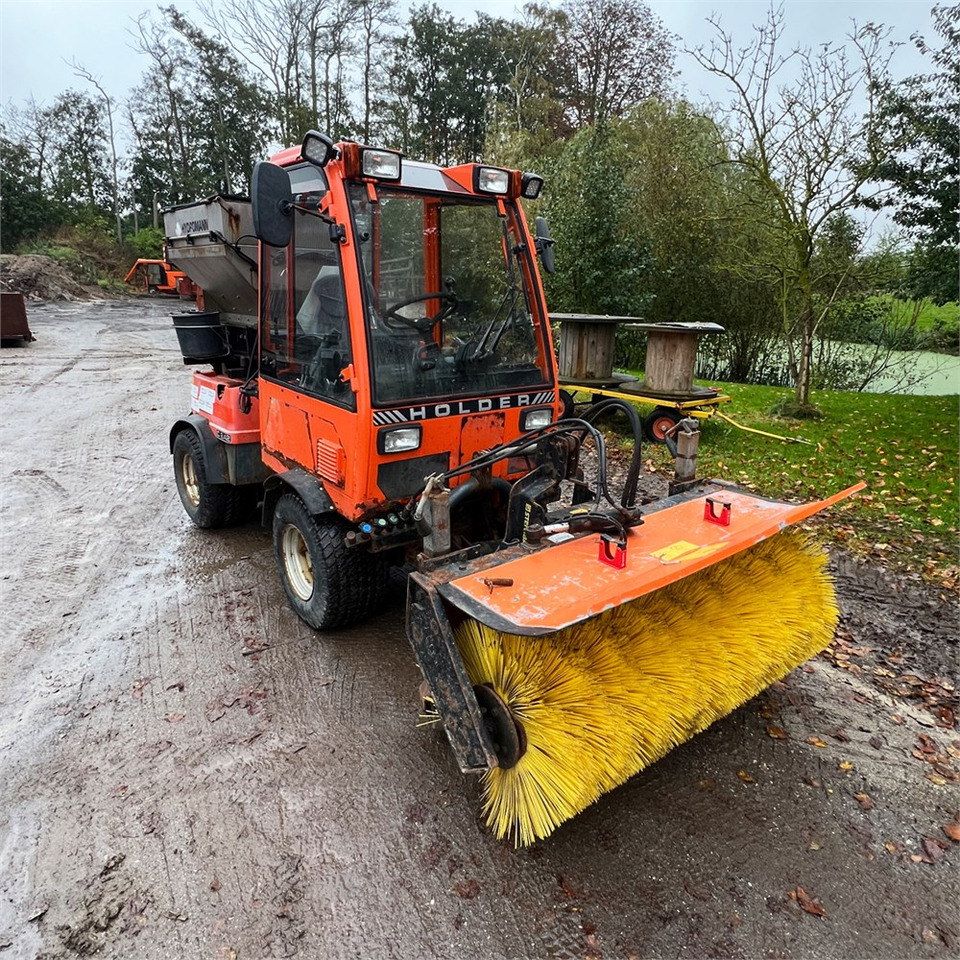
{"points": [[352, 582], [221, 504]]}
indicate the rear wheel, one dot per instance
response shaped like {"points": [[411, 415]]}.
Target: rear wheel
{"points": [[208, 505], [658, 424], [328, 584]]}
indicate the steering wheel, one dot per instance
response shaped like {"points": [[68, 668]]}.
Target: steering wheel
{"points": [[422, 324]]}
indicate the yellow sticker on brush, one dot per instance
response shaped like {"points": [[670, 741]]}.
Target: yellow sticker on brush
{"points": [[683, 550]]}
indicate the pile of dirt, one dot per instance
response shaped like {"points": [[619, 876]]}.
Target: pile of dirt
{"points": [[42, 278]]}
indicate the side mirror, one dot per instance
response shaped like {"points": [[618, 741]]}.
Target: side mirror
{"points": [[544, 244], [272, 205]]}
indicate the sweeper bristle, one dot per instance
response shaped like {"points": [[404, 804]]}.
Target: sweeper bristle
{"points": [[603, 699]]}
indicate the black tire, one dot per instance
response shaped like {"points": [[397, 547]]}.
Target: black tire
{"points": [[568, 409], [208, 505], [656, 424], [328, 584]]}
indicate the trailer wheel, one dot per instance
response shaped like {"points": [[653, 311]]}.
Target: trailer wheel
{"points": [[208, 505], [657, 424], [328, 584]]}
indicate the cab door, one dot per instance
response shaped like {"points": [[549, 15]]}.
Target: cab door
{"points": [[307, 402]]}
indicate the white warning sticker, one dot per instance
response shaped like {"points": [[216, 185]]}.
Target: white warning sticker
{"points": [[201, 399]]}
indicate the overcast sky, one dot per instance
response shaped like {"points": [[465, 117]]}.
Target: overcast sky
{"points": [[38, 36]]}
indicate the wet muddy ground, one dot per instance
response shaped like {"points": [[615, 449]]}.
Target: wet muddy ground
{"points": [[187, 771]]}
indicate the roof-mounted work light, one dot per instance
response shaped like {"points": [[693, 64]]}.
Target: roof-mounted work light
{"points": [[317, 148], [530, 186]]}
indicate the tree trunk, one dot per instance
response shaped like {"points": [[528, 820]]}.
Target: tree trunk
{"points": [[802, 389]]}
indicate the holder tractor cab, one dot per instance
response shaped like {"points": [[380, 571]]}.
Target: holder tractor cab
{"points": [[396, 403]]}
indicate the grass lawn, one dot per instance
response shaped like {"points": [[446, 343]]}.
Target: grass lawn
{"points": [[929, 316], [904, 447]]}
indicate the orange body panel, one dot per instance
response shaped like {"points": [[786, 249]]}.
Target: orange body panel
{"points": [[566, 583], [218, 399]]}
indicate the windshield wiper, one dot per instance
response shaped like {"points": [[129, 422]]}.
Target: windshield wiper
{"points": [[483, 352]]}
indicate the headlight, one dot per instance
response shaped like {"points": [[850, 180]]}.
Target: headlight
{"points": [[382, 164], [492, 180], [536, 419], [398, 439]]}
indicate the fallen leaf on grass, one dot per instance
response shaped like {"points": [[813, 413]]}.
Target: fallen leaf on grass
{"points": [[864, 800], [845, 765], [952, 830], [745, 777], [937, 779], [777, 732], [810, 904], [816, 741]]}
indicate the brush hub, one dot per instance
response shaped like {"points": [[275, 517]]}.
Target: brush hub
{"points": [[507, 735]]}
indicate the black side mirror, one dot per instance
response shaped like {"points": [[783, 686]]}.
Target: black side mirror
{"points": [[544, 245], [272, 204]]}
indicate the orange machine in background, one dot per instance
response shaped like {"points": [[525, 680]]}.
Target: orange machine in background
{"points": [[157, 276]]}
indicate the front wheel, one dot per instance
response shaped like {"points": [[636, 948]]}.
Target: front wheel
{"points": [[328, 584], [208, 505]]}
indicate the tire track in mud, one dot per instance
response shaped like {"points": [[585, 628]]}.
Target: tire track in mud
{"points": [[93, 587]]}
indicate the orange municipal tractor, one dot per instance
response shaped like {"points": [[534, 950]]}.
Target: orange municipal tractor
{"points": [[380, 379]]}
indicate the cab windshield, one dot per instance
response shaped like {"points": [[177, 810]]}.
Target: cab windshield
{"points": [[447, 284]]}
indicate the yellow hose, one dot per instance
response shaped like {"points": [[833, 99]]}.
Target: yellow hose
{"points": [[604, 699]]}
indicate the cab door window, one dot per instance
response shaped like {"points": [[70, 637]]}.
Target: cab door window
{"points": [[305, 340]]}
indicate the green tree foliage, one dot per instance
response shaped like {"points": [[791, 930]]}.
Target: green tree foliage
{"points": [[619, 55], [444, 76], [922, 116], [602, 264], [25, 208], [529, 114], [79, 170], [693, 213], [199, 122]]}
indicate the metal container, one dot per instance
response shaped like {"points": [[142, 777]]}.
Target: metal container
{"points": [[14, 329], [201, 336], [212, 242]]}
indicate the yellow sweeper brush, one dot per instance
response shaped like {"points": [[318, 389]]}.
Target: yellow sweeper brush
{"points": [[602, 700], [562, 668]]}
